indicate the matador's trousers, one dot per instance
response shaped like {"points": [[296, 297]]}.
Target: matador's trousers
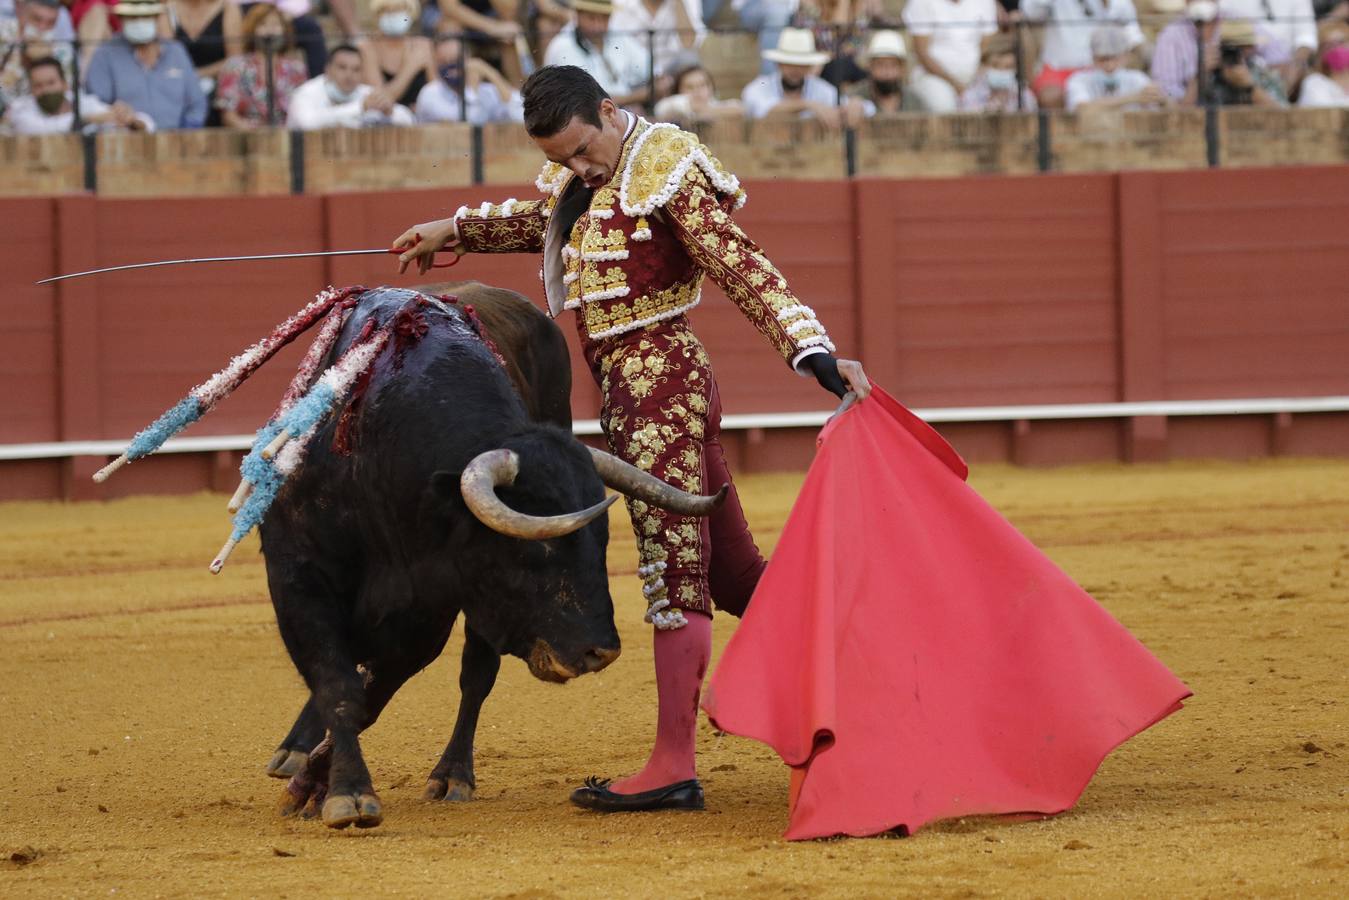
{"points": [[662, 413]]}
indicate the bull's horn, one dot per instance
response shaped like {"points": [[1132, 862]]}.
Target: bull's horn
{"points": [[496, 468], [628, 479]]}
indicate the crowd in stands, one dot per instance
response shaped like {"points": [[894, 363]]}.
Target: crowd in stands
{"points": [[171, 64]]}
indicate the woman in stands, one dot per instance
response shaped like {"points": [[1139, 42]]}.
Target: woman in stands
{"points": [[397, 61], [241, 95], [212, 31], [695, 100], [1328, 84]]}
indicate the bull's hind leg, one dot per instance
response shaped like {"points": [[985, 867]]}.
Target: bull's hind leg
{"points": [[293, 753], [452, 778]]}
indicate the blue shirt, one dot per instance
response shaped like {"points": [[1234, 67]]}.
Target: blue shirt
{"points": [[169, 93]]}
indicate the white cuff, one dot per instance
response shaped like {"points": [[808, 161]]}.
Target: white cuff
{"points": [[796, 361]]}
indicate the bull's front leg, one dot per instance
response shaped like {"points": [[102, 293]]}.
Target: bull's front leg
{"points": [[452, 778], [293, 753]]}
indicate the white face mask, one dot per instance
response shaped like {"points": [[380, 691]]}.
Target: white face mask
{"points": [[1001, 80], [33, 33], [395, 24], [1202, 11], [335, 93], [140, 30]]}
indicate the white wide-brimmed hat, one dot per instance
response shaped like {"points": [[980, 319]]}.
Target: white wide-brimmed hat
{"points": [[138, 8], [796, 47], [886, 43]]}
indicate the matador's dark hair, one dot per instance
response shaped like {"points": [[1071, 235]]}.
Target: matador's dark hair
{"points": [[555, 94]]}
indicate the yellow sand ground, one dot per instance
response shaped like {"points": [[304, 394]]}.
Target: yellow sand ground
{"points": [[140, 698]]}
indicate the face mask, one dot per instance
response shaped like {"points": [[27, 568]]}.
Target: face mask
{"points": [[1110, 83], [1336, 59], [139, 30], [274, 43], [51, 102], [395, 24], [1202, 11], [793, 85], [336, 94], [32, 33], [452, 75], [887, 88], [1001, 79]]}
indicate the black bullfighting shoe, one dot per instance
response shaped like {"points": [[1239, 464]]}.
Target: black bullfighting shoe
{"points": [[597, 796]]}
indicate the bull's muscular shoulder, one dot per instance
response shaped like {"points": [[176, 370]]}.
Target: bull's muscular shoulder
{"points": [[657, 164]]}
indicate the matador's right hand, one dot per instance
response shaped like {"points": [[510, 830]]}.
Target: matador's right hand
{"points": [[421, 242]]}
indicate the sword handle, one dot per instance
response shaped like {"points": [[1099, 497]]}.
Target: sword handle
{"points": [[454, 259]]}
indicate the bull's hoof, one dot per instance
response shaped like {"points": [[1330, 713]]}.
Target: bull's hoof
{"points": [[287, 763], [341, 810], [451, 791]]}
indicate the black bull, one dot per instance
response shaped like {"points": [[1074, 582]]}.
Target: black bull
{"points": [[463, 490]]}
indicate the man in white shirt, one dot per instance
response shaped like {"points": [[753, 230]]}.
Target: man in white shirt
{"points": [[617, 61], [794, 90], [50, 108], [489, 96], [1109, 85], [947, 39], [337, 99], [1066, 44], [672, 27]]}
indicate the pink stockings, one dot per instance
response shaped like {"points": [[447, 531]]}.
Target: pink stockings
{"points": [[681, 662]]}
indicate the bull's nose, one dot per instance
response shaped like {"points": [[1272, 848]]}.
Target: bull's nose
{"points": [[597, 658]]}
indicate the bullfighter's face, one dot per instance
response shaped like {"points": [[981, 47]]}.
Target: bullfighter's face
{"points": [[592, 153]]}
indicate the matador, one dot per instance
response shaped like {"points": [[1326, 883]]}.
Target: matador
{"points": [[633, 215]]}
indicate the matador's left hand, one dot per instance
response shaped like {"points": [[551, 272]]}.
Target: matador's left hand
{"points": [[838, 376]]}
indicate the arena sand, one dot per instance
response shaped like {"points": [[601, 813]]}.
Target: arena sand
{"points": [[140, 698]]}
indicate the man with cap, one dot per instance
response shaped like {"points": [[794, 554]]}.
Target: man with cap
{"points": [[617, 61], [1108, 84], [34, 32], [633, 216], [1066, 42], [883, 92], [151, 75], [795, 89], [1240, 78]]}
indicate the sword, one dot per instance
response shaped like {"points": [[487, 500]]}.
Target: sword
{"points": [[212, 259]]}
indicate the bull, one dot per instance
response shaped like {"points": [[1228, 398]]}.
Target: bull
{"points": [[461, 490]]}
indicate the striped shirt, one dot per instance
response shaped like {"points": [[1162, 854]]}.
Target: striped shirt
{"points": [[1175, 60]]}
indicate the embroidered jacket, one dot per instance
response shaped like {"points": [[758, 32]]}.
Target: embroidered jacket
{"points": [[639, 253]]}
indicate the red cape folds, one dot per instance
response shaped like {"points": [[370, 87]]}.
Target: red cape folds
{"points": [[913, 657]]}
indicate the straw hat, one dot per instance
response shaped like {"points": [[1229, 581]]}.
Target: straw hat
{"points": [[1236, 33], [796, 47], [886, 43], [138, 8], [599, 7]]}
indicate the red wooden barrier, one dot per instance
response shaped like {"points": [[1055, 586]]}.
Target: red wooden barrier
{"points": [[955, 292]]}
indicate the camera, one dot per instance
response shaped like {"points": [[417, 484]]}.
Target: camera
{"points": [[1232, 55]]}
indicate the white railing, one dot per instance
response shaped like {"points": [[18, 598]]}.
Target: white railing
{"points": [[935, 415]]}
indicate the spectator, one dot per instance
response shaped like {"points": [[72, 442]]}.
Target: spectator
{"points": [[241, 95], [211, 31], [397, 63], [1240, 78], [1109, 84], [1175, 58], [34, 32], [1285, 33], [766, 18], [546, 19], [694, 100], [793, 90], [1066, 41], [667, 28], [994, 87], [309, 34], [617, 61], [152, 75], [490, 97], [492, 30], [1328, 85], [94, 22], [884, 93], [338, 99], [838, 26], [50, 109], [947, 37]]}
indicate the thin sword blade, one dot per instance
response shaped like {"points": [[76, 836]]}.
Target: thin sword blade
{"points": [[209, 259]]}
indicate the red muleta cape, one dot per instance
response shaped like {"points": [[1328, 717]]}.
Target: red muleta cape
{"points": [[913, 657]]}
